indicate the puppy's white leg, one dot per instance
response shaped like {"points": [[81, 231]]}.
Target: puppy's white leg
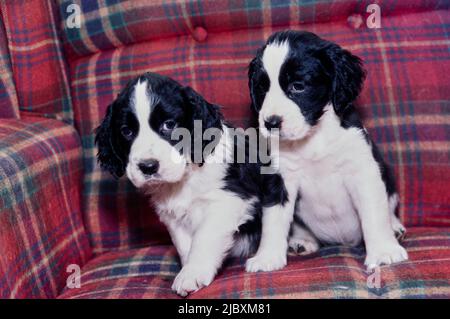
{"points": [[181, 240], [210, 244], [302, 241], [272, 251], [370, 198]]}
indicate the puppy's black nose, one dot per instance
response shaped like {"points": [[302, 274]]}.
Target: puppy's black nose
{"points": [[273, 121], [149, 167]]}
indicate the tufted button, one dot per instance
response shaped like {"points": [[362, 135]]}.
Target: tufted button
{"points": [[200, 34], [355, 21]]}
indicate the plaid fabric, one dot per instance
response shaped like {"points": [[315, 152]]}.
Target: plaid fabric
{"points": [[332, 272], [404, 105], [36, 57], [111, 24], [8, 99], [41, 231]]}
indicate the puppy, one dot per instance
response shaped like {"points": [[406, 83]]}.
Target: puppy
{"points": [[211, 204], [302, 88]]}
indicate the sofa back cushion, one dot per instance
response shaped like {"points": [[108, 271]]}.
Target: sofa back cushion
{"points": [[115, 23], [404, 103]]}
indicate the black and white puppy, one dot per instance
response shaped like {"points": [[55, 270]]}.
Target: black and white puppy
{"points": [[304, 86], [213, 206]]}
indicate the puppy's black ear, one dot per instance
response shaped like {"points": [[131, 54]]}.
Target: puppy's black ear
{"points": [[255, 82], [252, 69], [207, 114], [347, 77], [202, 110], [108, 155]]}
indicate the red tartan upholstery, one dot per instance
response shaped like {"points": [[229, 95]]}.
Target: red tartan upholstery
{"points": [[49, 219], [113, 24], [333, 272], [41, 231]]}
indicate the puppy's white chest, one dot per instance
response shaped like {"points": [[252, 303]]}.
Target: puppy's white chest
{"points": [[325, 205], [188, 204], [185, 207], [178, 211]]}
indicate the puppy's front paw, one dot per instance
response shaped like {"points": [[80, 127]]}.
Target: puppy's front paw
{"points": [[398, 228], [191, 279], [265, 262], [385, 254], [400, 234], [303, 246]]}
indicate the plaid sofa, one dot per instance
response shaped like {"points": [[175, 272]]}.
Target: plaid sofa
{"points": [[57, 208]]}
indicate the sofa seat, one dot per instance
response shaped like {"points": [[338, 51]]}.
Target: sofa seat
{"points": [[332, 272]]}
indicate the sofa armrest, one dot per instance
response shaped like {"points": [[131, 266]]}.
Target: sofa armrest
{"points": [[41, 227]]}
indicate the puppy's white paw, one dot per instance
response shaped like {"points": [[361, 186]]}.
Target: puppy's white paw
{"points": [[385, 254], [191, 279], [266, 262], [302, 246]]}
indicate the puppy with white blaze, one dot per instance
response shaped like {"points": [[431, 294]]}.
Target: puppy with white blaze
{"points": [[211, 204], [302, 88]]}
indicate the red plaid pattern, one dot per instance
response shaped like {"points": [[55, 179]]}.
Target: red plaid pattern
{"points": [[9, 107], [111, 24], [403, 106], [333, 272], [41, 231], [36, 57]]}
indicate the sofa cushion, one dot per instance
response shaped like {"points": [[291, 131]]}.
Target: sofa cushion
{"points": [[111, 24], [41, 227], [332, 272], [404, 106]]}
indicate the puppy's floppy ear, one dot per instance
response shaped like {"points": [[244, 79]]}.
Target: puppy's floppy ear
{"points": [[108, 154], [251, 81], [209, 115], [253, 70], [347, 77]]}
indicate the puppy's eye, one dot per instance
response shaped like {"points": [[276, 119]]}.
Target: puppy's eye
{"points": [[169, 125], [296, 87], [126, 131]]}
